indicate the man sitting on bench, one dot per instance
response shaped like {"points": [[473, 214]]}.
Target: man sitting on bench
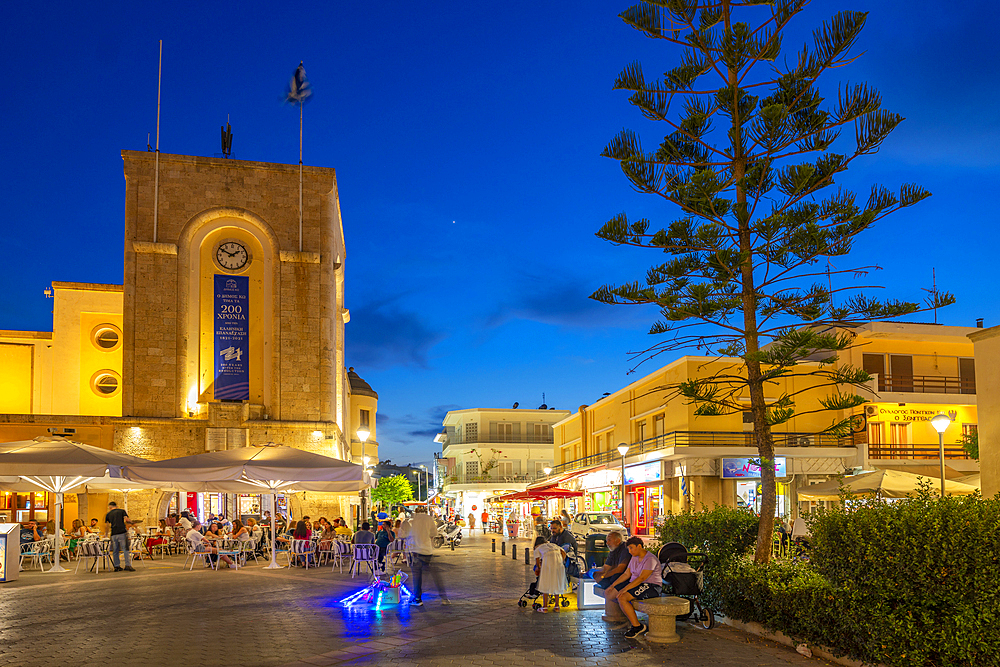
{"points": [[644, 582], [616, 562]]}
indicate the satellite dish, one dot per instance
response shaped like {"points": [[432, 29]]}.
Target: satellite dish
{"points": [[515, 405], [543, 407]]}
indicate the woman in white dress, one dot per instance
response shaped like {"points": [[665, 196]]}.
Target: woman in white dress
{"points": [[551, 570]]}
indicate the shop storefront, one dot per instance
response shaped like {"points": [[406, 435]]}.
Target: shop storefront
{"points": [[644, 497], [24, 507], [746, 473], [602, 492], [240, 506]]}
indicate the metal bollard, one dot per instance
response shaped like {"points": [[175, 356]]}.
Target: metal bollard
{"points": [[513, 552], [453, 545], [527, 553], [494, 545], [503, 548]]}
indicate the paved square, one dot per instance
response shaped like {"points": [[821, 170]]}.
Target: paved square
{"points": [[164, 615]]}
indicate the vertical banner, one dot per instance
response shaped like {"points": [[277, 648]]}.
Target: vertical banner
{"points": [[232, 336]]}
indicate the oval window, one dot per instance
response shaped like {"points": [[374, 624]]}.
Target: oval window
{"points": [[106, 337], [106, 383]]}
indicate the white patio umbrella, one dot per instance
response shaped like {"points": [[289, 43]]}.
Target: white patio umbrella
{"points": [[59, 465], [274, 467], [883, 483]]}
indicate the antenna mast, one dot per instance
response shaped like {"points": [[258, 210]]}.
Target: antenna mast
{"points": [[156, 178]]}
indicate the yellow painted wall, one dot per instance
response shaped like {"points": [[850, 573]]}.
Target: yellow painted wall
{"points": [[357, 404], [95, 360], [16, 371], [261, 315]]}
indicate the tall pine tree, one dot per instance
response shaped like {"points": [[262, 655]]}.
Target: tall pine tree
{"points": [[750, 158]]}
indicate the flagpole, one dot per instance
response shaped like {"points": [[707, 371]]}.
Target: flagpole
{"points": [[156, 178], [300, 175]]}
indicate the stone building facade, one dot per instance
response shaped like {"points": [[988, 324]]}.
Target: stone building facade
{"points": [[213, 218]]}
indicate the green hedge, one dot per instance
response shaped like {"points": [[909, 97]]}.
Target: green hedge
{"points": [[914, 582]]}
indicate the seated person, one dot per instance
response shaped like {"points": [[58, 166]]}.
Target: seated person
{"points": [[365, 535], [30, 533], [642, 581], [200, 544], [616, 562], [94, 527], [340, 528], [561, 537], [77, 534]]}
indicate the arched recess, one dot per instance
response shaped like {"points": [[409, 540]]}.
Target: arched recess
{"points": [[193, 269]]}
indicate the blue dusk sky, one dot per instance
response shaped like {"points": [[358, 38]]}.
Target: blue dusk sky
{"points": [[466, 139]]}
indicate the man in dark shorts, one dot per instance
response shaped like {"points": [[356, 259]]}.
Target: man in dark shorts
{"points": [[644, 582], [616, 562]]}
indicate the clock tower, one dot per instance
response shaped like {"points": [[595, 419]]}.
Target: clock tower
{"points": [[233, 310]]}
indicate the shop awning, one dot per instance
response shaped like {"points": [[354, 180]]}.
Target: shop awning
{"points": [[542, 493]]}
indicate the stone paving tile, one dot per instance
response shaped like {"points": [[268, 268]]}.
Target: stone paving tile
{"points": [[163, 615]]}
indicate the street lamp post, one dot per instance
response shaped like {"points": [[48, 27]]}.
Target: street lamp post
{"points": [[363, 434], [623, 450], [427, 489], [941, 424]]}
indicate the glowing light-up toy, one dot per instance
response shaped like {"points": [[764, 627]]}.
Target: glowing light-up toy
{"points": [[387, 588]]}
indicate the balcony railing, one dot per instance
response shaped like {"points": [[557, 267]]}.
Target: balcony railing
{"points": [[703, 439], [927, 384], [498, 439], [888, 451], [491, 477]]}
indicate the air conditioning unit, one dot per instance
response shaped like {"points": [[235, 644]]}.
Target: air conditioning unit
{"points": [[805, 441]]}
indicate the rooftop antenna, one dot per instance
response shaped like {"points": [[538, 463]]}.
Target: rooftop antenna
{"points": [[149, 147], [156, 181], [934, 293], [227, 139]]}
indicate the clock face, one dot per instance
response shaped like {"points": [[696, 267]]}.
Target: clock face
{"points": [[232, 255]]}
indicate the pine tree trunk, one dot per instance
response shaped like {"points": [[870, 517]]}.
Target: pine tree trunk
{"points": [[761, 429]]}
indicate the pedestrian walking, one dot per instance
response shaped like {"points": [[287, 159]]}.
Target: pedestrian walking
{"points": [[472, 523], [422, 532], [116, 521], [485, 517]]}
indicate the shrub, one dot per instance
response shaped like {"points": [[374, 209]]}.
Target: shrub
{"points": [[908, 583], [723, 533]]}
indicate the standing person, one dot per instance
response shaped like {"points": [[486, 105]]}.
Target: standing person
{"points": [[421, 535], [564, 515], [485, 518], [472, 523], [116, 520], [561, 537], [644, 582], [551, 571]]}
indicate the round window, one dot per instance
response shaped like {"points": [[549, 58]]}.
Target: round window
{"points": [[106, 337], [106, 383]]}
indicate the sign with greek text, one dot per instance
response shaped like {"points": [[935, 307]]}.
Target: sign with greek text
{"points": [[750, 468], [232, 338]]}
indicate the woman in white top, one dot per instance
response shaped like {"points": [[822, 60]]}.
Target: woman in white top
{"points": [[240, 532], [549, 565]]}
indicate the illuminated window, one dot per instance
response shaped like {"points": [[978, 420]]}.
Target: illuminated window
{"points": [[106, 337], [106, 383]]}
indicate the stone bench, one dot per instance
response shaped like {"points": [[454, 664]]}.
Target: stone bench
{"points": [[663, 612], [612, 612]]}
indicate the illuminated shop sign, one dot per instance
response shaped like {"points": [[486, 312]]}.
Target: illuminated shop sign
{"points": [[647, 472], [750, 468]]}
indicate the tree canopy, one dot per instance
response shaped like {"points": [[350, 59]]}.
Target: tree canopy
{"points": [[749, 161], [393, 490]]}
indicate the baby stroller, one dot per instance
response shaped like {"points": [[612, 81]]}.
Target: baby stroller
{"points": [[683, 573], [532, 594]]}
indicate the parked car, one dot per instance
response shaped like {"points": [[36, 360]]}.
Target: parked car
{"points": [[588, 523]]}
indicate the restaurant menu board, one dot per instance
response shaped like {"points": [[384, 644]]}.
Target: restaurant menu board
{"points": [[750, 468], [232, 337], [10, 551]]}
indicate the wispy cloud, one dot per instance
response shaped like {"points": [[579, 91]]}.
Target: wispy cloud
{"points": [[382, 335], [399, 436], [566, 302]]}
